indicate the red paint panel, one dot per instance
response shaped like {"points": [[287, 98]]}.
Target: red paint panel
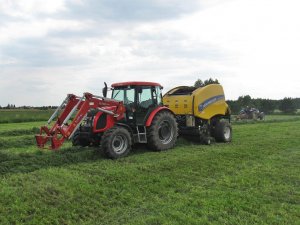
{"points": [[110, 122]]}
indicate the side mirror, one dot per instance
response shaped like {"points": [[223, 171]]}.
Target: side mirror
{"points": [[104, 90]]}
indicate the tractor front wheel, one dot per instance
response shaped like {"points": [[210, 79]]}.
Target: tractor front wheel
{"points": [[78, 140], [163, 132], [116, 142]]}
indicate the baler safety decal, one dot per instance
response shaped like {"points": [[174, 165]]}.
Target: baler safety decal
{"points": [[210, 101]]}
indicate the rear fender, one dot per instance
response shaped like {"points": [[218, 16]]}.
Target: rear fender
{"points": [[154, 112]]}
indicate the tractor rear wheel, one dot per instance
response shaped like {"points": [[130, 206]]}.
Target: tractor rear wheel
{"points": [[116, 142], [163, 132], [223, 131]]}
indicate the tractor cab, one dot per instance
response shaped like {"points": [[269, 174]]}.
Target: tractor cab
{"points": [[139, 98]]}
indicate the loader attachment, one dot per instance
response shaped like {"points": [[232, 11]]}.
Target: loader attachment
{"points": [[73, 111], [56, 139]]}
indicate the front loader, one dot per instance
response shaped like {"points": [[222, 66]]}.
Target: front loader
{"points": [[134, 114]]}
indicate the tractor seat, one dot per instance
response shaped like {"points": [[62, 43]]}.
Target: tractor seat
{"points": [[146, 104]]}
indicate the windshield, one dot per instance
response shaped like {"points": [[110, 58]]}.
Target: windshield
{"points": [[118, 95], [124, 95]]}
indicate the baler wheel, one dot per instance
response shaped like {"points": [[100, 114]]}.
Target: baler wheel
{"points": [[223, 131]]}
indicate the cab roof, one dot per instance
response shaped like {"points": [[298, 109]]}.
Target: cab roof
{"points": [[135, 83]]}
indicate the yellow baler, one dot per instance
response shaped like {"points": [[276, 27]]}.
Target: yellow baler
{"points": [[201, 111]]}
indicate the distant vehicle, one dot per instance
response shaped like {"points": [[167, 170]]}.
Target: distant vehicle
{"points": [[250, 114]]}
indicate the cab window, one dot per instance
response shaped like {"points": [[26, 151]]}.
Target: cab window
{"points": [[145, 97], [157, 95], [129, 96], [118, 94]]}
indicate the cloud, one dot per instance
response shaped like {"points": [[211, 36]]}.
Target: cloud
{"points": [[37, 53], [26, 9], [75, 45], [130, 10], [177, 49], [12, 31], [62, 33], [108, 10]]}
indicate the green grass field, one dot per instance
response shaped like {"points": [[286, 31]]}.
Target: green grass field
{"points": [[268, 119], [253, 180], [24, 115]]}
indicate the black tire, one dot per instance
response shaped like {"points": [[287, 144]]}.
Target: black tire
{"points": [[262, 116], [116, 142], [254, 116], [163, 132], [223, 131], [77, 140]]}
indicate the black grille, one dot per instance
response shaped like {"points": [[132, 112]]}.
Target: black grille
{"points": [[101, 123]]}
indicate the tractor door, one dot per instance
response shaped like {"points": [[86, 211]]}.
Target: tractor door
{"points": [[127, 95], [148, 98]]}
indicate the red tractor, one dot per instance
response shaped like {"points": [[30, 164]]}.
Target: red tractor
{"points": [[134, 114]]}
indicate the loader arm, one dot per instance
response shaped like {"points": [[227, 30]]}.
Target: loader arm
{"points": [[66, 125]]}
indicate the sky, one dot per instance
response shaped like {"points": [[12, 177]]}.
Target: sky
{"points": [[51, 48]]}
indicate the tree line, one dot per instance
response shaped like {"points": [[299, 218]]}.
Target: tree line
{"points": [[269, 106], [13, 106]]}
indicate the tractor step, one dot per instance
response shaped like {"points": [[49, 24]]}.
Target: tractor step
{"points": [[141, 135]]}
